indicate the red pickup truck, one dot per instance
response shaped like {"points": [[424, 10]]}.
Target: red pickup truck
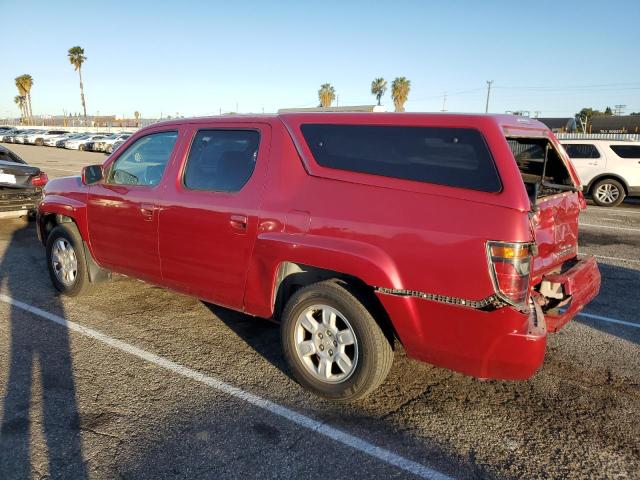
{"points": [[455, 235]]}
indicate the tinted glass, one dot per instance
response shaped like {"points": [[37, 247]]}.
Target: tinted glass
{"points": [[143, 163], [456, 157], [581, 151], [626, 151], [221, 160], [7, 156]]}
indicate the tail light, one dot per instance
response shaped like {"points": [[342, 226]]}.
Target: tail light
{"points": [[40, 180], [510, 265]]}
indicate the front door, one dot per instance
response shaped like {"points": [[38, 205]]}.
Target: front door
{"points": [[122, 210], [209, 218]]}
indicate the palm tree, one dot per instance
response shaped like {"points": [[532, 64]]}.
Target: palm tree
{"points": [[24, 83], [77, 58], [400, 92], [20, 100], [327, 95], [378, 88], [137, 115], [27, 82]]}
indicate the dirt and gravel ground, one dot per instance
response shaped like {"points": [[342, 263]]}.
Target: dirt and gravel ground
{"points": [[77, 405]]}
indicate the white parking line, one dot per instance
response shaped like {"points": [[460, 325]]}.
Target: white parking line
{"points": [[335, 434], [610, 226], [605, 257], [607, 209], [608, 319]]}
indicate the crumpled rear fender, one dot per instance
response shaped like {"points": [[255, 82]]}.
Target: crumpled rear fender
{"points": [[350, 257]]}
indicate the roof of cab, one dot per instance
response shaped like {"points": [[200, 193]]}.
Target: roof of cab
{"points": [[404, 118]]}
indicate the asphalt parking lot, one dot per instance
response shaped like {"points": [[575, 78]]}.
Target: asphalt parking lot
{"points": [[135, 381]]}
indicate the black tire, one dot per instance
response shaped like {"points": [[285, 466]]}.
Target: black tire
{"points": [[81, 148], [39, 142], [608, 192], [374, 352], [67, 232]]}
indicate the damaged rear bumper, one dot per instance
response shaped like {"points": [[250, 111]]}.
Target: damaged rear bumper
{"points": [[503, 344], [567, 292], [19, 201]]}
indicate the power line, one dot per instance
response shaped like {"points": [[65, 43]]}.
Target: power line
{"points": [[631, 86]]}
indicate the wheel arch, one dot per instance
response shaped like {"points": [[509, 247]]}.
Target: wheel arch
{"points": [[292, 276], [604, 176], [282, 263], [55, 210]]}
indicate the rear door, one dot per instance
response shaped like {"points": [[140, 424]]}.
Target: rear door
{"points": [[210, 212]]}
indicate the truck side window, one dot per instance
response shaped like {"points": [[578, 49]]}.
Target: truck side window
{"points": [[221, 160], [143, 163], [457, 157]]}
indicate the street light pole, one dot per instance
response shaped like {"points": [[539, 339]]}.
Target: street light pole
{"points": [[486, 108]]}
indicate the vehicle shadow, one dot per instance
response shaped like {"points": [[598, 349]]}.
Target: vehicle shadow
{"points": [[40, 373], [618, 293], [261, 335]]}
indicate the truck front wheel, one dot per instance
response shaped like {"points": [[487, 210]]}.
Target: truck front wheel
{"points": [[66, 260], [332, 344]]}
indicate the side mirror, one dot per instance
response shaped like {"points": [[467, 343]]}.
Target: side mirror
{"points": [[92, 174]]}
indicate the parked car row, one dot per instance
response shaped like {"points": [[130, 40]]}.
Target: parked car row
{"points": [[94, 142]]}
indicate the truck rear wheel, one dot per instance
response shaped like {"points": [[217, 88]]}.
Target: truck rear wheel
{"points": [[332, 344], [66, 260]]}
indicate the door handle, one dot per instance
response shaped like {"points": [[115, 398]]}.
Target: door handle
{"points": [[239, 222], [146, 210]]}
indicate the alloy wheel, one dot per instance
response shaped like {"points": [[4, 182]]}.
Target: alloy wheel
{"points": [[607, 193], [326, 344]]}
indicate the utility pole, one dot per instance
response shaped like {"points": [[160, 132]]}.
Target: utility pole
{"points": [[619, 109], [486, 108], [444, 102]]}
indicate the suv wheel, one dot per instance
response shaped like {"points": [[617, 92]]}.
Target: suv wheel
{"points": [[66, 261], [39, 142], [608, 193], [332, 344], [81, 147]]}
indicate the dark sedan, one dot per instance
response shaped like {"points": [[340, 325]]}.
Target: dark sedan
{"points": [[20, 185]]}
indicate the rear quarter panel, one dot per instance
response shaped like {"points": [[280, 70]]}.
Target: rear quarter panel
{"points": [[401, 234]]}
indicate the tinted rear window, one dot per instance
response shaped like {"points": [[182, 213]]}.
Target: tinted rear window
{"points": [[576, 150], [626, 151], [456, 157]]}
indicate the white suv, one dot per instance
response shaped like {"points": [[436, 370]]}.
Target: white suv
{"points": [[609, 169]]}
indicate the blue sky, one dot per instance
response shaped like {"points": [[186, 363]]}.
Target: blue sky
{"points": [[196, 58]]}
